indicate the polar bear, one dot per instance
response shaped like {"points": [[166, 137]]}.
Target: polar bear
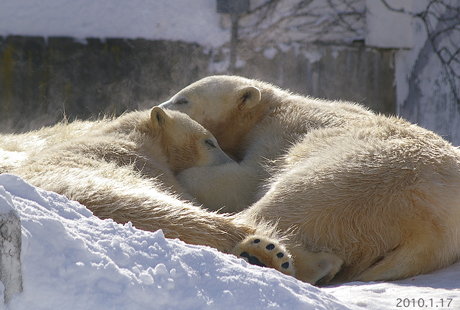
{"points": [[15, 148], [359, 196], [124, 169], [255, 123]]}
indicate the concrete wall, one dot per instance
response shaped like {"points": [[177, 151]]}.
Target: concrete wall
{"points": [[428, 75], [41, 81], [427, 71], [346, 72]]}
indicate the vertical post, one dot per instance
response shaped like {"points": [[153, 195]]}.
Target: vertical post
{"points": [[10, 254]]}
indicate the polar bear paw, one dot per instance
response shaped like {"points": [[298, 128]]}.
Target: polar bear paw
{"points": [[265, 252]]}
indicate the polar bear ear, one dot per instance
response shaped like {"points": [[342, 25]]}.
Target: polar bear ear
{"points": [[248, 97], [159, 117]]}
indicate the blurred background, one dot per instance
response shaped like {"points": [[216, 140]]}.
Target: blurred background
{"points": [[87, 58]]}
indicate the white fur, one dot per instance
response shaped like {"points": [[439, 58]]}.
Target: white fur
{"points": [[124, 168], [360, 196]]}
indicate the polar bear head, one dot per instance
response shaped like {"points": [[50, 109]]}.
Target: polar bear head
{"points": [[226, 105], [185, 142]]}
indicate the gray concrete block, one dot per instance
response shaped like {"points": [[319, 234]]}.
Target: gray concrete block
{"points": [[10, 253]]}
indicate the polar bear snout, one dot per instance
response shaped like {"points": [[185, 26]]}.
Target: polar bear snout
{"points": [[166, 104]]}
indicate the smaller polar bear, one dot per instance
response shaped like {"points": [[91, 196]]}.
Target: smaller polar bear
{"points": [[124, 169], [360, 196], [14, 148]]}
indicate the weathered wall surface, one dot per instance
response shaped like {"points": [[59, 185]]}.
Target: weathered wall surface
{"points": [[348, 72], [427, 58], [428, 75], [41, 81]]}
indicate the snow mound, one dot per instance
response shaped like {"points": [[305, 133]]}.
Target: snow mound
{"points": [[74, 260]]}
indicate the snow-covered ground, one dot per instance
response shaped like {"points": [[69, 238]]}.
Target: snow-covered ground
{"points": [[73, 260]]}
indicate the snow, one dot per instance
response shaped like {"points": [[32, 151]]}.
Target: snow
{"points": [[270, 52], [387, 29], [181, 20], [195, 21], [73, 260]]}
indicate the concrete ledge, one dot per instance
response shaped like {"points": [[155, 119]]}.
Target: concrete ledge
{"points": [[10, 247], [388, 29]]}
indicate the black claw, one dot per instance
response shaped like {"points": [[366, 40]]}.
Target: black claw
{"points": [[280, 255], [285, 265], [252, 259], [245, 254], [270, 247], [255, 261]]}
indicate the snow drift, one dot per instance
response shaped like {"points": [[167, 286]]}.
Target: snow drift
{"points": [[74, 260]]}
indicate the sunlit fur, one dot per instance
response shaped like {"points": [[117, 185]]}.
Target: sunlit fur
{"points": [[361, 196], [123, 169], [255, 122], [15, 148]]}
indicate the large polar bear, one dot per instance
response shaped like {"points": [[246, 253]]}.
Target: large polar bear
{"points": [[362, 196], [253, 121], [124, 169]]}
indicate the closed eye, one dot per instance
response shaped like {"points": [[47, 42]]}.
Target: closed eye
{"points": [[210, 144], [181, 101]]}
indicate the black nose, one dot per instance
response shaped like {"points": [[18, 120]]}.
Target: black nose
{"points": [[252, 259]]}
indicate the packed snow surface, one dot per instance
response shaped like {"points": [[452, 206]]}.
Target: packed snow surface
{"points": [[73, 260], [184, 20]]}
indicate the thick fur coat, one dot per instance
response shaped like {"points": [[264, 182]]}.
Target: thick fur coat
{"points": [[124, 169], [361, 196]]}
